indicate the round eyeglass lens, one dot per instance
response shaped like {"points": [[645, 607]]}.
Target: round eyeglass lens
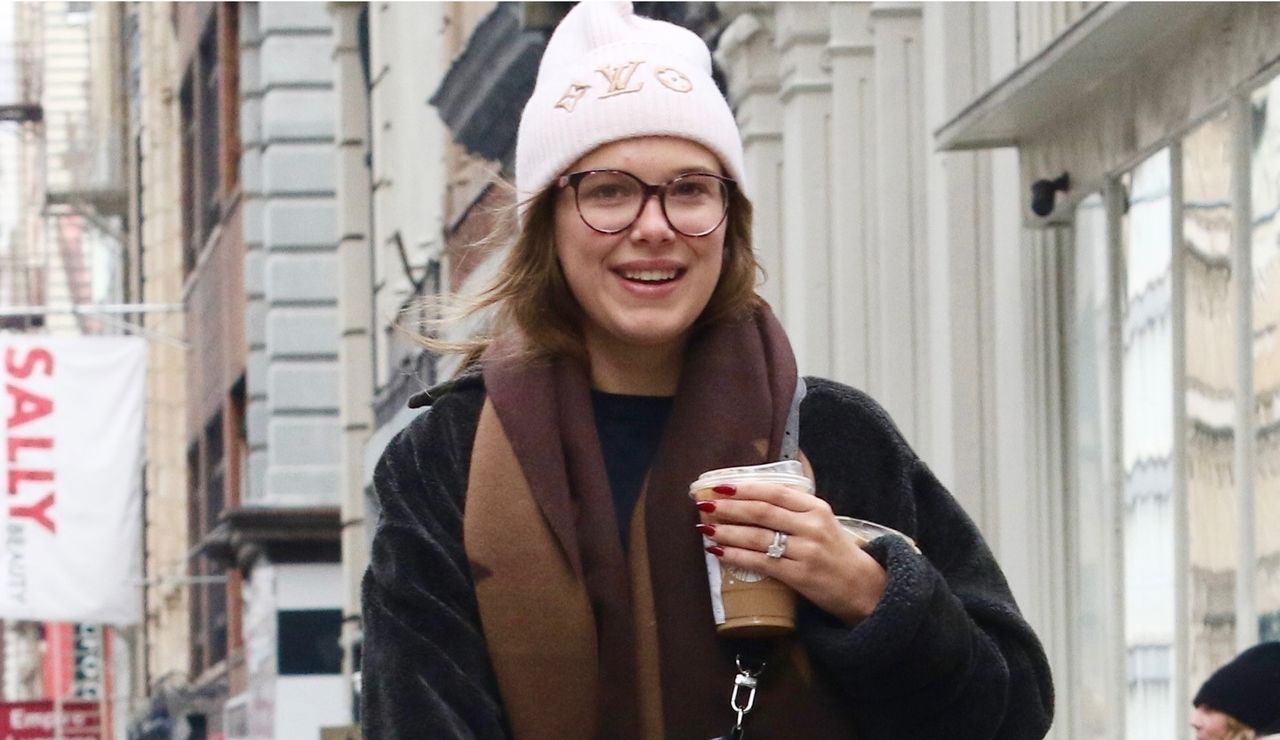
{"points": [[695, 204], [609, 201]]}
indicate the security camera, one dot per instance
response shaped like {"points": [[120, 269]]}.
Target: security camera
{"points": [[1044, 193]]}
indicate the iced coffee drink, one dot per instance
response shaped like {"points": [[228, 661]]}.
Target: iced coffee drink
{"points": [[745, 603]]}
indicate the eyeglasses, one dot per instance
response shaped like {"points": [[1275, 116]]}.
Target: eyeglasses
{"points": [[610, 201]]}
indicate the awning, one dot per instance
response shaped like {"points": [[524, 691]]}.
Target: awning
{"points": [[1101, 44]]}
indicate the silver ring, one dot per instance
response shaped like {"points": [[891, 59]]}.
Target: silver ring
{"points": [[779, 546]]}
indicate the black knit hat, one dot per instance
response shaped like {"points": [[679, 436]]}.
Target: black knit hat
{"points": [[1247, 688]]}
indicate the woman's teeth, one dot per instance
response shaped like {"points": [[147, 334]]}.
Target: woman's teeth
{"points": [[650, 276]]}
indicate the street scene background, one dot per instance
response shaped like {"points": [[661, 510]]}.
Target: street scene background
{"points": [[1043, 235]]}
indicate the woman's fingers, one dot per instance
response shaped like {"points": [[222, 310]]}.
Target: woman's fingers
{"points": [[755, 539], [786, 497], [756, 514], [771, 507], [820, 560], [837, 576]]}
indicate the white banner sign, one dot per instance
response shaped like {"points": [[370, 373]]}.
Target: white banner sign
{"points": [[71, 462]]}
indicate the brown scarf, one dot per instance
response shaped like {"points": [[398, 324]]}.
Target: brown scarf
{"points": [[572, 633]]}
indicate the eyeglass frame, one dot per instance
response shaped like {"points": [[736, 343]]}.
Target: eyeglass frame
{"points": [[572, 179]]}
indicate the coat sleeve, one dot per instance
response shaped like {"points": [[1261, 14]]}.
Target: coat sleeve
{"points": [[425, 668], [946, 653]]}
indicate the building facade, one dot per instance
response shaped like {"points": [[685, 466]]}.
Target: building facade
{"points": [[235, 222], [401, 186], [1164, 247], [156, 233], [63, 255], [1066, 352], [1041, 234]]}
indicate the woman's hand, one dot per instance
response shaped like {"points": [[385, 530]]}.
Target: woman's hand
{"points": [[822, 562]]}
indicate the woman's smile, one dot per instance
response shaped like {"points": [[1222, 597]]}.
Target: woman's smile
{"points": [[650, 278]]}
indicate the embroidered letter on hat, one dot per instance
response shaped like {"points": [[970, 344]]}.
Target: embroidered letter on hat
{"points": [[673, 79], [572, 96], [619, 78]]}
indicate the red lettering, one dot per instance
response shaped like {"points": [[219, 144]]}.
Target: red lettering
{"points": [[17, 443], [28, 365], [27, 406], [19, 476], [37, 513]]}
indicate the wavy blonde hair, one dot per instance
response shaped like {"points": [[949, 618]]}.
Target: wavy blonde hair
{"points": [[530, 294], [1237, 730]]}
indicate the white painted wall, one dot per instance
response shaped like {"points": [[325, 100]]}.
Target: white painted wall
{"points": [[304, 704], [308, 586], [409, 143]]}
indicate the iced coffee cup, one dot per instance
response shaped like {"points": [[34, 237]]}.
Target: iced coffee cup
{"points": [[745, 603]]}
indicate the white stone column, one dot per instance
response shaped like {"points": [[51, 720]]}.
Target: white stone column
{"points": [[251, 205], [960, 428], [297, 372], [902, 266], [168, 541], [355, 309], [747, 54], [853, 194], [802, 31]]}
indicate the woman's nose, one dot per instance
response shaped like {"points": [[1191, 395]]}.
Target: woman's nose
{"points": [[652, 224]]}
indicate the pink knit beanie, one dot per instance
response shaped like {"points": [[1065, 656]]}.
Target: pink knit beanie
{"points": [[608, 74]]}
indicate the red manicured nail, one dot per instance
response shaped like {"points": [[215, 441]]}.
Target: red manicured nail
{"points": [[724, 489], [707, 529], [707, 506], [716, 550]]}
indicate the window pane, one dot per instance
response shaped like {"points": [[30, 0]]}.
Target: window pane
{"points": [[1210, 301], [309, 641], [1265, 187], [216, 601], [190, 229], [1147, 451], [1095, 625], [210, 148]]}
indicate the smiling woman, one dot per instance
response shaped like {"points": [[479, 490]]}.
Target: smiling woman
{"points": [[539, 569]]}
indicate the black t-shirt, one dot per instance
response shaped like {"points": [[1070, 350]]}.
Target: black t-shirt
{"points": [[630, 428]]}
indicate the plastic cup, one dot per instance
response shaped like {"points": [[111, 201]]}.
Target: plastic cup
{"points": [[865, 531], [745, 603]]}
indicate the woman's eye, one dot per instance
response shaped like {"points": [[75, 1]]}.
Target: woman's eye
{"points": [[690, 189], [606, 190]]}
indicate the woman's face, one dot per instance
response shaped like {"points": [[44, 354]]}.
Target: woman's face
{"points": [[645, 286], [1209, 723]]}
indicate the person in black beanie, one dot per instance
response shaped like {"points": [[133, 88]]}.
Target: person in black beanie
{"points": [[1241, 700]]}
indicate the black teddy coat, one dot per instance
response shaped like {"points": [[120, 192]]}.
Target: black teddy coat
{"points": [[946, 654]]}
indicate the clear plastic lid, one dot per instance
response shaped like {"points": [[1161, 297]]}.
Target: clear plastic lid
{"points": [[785, 472], [867, 531]]}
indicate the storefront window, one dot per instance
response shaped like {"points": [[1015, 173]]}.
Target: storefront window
{"points": [[1186, 522], [1265, 244], [1209, 304], [1147, 449]]}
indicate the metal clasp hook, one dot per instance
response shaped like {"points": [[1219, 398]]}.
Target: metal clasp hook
{"points": [[747, 678]]}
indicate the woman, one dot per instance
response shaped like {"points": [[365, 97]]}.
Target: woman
{"points": [[1241, 700], [538, 567]]}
